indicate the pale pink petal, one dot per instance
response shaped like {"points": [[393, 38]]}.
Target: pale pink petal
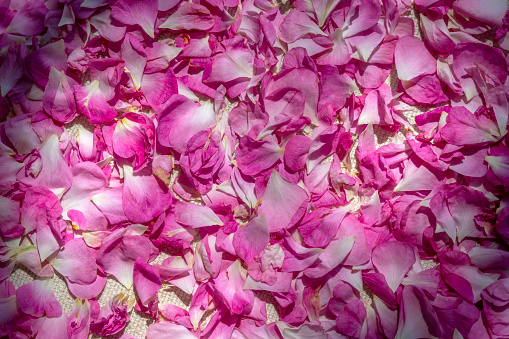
{"points": [[88, 180], [167, 330], [251, 239], [413, 59], [282, 201], [189, 16], [393, 259], [491, 12], [76, 262], [37, 299], [144, 197]]}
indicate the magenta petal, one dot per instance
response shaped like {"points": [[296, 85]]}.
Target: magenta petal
{"points": [[10, 218], [255, 156], [76, 262], [230, 284], [51, 328], [350, 321], [133, 12], [412, 320], [11, 69], [297, 24], [146, 280], [334, 254], [181, 119], [133, 139], [319, 227], [91, 103], [113, 317], [251, 239], [393, 259], [296, 152], [58, 99], [119, 252], [281, 202], [40, 62], [78, 323], [106, 28], [189, 16], [109, 202], [28, 20], [37, 299], [464, 128], [413, 59], [144, 197]]}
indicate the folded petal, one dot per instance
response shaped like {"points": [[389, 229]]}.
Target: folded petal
{"points": [[146, 280], [58, 99], [92, 104], [181, 119]]}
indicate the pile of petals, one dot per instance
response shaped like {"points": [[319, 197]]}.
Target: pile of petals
{"points": [[244, 136]]}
